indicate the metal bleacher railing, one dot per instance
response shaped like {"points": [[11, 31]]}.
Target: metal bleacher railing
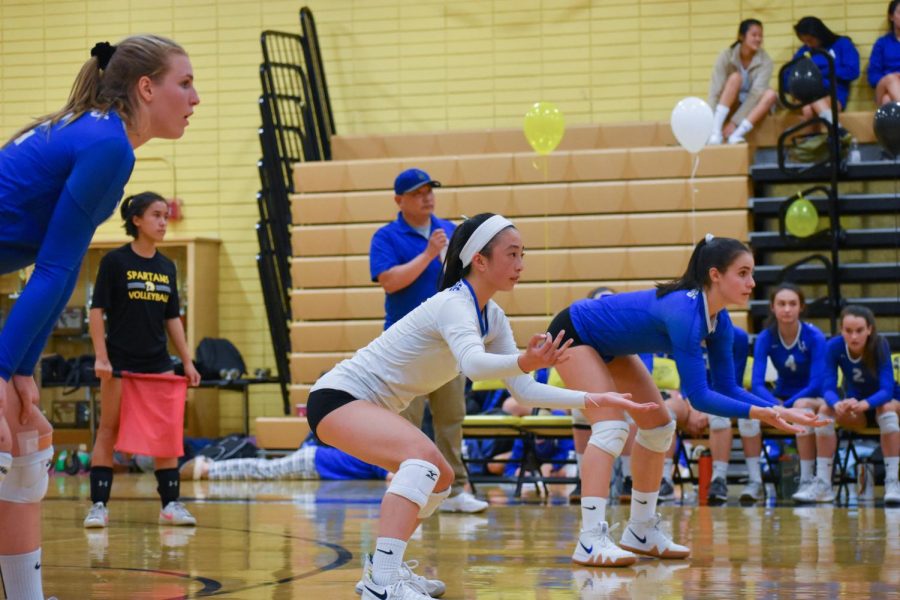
{"points": [[297, 126]]}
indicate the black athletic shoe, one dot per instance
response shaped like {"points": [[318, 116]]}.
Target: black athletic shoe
{"points": [[718, 491]]}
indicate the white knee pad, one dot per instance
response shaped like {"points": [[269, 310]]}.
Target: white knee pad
{"points": [[579, 421], [415, 480], [609, 436], [434, 500], [748, 427], [657, 439], [671, 413], [27, 480], [5, 464], [888, 422], [826, 430], [716, 423]]}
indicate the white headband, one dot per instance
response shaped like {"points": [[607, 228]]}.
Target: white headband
{"points": [[481, 236]]}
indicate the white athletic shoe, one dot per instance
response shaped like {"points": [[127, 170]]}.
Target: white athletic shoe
{"points": [[98, 516], [715, 139], [596, 549], [599, 583], [176, 513], [648, 538], [801, 489], [817, 491], [892, 492], [753, 492], [433, 587], [463, 502], [402, 589]]}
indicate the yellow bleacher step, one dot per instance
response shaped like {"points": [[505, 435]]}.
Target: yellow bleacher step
{"points": [[281, 433]]}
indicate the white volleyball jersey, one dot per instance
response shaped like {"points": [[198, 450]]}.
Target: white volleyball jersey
{"points": [[434, 343]]}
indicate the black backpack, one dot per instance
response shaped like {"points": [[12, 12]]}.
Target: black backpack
{"points": [[217, 358], [231, 446]]}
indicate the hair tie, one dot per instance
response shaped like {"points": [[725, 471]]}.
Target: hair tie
{"points": [[709, 238], [103, 51]]}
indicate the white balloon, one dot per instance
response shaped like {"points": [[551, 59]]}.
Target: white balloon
{"points": [[692, 123]]}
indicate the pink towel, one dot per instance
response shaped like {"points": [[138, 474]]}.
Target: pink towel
{"points": [[151, 417]]}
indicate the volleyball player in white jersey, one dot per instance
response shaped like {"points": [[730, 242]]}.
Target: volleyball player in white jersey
{"points": [[354, 406]]}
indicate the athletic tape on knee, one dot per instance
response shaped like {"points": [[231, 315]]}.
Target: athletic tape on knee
{"points": [[609, 436], [826, 430], [888, 422], [5, 464], [434, 500], [748, 427], [414, 480], [657, 439], [27, 480], [717, 423], [579, 420]]}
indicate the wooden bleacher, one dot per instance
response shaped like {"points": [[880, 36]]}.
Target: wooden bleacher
{"points": [[614, 205]]}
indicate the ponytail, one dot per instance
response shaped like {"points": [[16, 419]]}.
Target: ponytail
{"points": [[453, 266], [136, 206], [710, 253]]}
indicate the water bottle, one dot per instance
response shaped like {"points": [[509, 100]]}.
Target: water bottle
{"points": [[790, 474], [704, 478], [865, 482], [855, 155]]}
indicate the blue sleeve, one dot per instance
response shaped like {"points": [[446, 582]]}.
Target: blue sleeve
{"points": [[720, 348], [382, 256], [876, 63], [813, 387], [760, 361], [88, 197], [885, 391], [741, 349], [829, 378], [846, 60]]}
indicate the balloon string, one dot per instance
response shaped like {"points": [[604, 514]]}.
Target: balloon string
{"points": [[546, 172], [692, 183]]}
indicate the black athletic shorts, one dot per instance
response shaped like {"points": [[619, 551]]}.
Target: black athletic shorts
{"points": [[323, 401], [563, 321]]}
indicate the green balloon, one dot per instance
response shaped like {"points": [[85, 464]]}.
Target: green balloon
{"points": [[802, 218]]}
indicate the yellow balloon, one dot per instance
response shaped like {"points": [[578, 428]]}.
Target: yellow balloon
{"points": [[544, 127], [802, 218]]}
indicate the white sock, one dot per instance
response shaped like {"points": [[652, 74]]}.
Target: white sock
{"points": [[826, 114], [626, 466], [720, 469], [753, 469], [807, 468], [386, 560], [643, 505], [823, 468], [578, 459], [22, 575], [668, 463], [719, 118], [743, 129], [891, 464], [593, 511]]}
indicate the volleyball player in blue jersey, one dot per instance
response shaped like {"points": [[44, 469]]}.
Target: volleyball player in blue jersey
{"points": [[60, 177], [676, 318], [797, 351], [869, 390]]}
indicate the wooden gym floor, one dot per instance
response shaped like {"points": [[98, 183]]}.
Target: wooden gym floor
{"points": [[280, 540]]}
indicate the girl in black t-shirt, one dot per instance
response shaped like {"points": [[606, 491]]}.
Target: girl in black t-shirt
{"points": [[136, 289]]}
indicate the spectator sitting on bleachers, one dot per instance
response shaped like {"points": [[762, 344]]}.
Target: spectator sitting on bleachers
{"points": [[870, 392], [740, 83], [797, 351], [884, 62], [815, 35]]}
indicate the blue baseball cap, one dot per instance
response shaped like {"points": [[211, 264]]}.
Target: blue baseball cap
{"points": [[411, 180]]}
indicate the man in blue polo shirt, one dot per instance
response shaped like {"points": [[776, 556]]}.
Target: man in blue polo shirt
{"points": [[405, 259]]}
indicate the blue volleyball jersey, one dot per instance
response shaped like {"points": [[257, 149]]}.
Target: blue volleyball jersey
{"points": [[800, 364], [57, 184], [859, 381], [332, 463], [677, 324]]}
